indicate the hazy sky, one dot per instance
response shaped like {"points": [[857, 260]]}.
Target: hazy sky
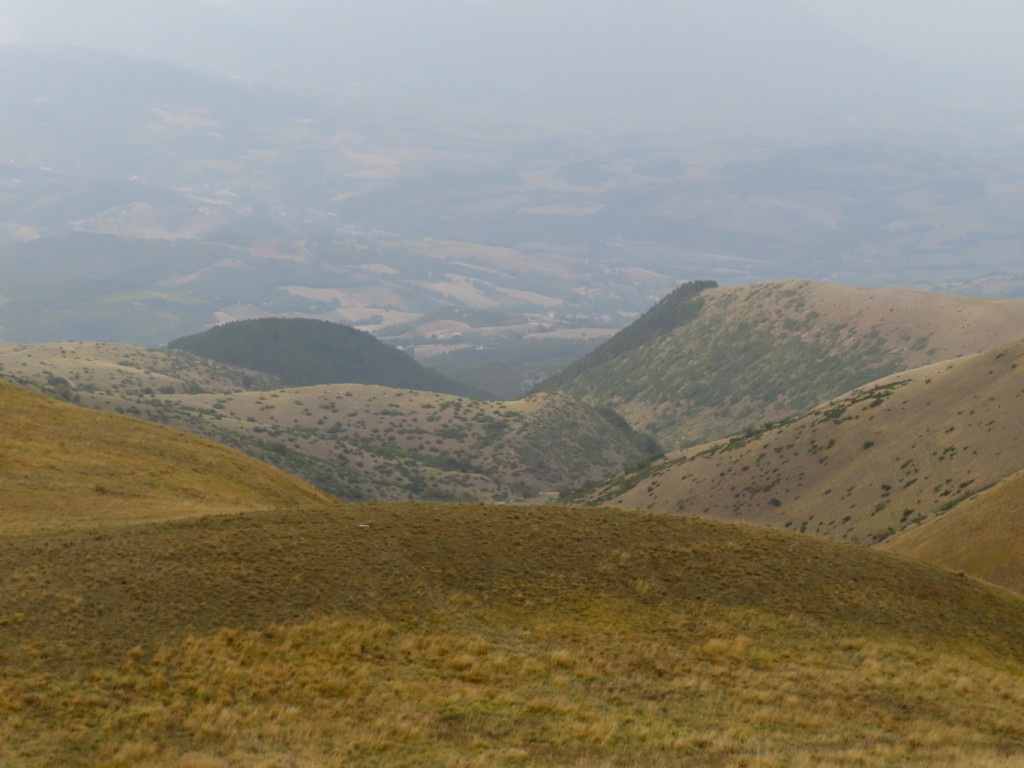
{"points": [[812, 61], [984, 33], [980, 33]]}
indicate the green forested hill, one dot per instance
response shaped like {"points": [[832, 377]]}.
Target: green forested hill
{"points": [[303, 352]]}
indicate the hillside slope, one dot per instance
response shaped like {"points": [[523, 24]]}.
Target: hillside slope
{"points": [[436, 635], [355, 441], [64, 466], [303, 352], [706, 362], [362, 442], [70, 368], [983, 536], [861, 467]]}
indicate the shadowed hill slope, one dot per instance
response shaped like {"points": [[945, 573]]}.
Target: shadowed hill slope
{"points": [[861, 467], [303, 352], [983, 536], [426, 634], [62, 465], [706, 362]]}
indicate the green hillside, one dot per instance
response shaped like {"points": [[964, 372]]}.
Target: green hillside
{"points": [[707, 362], [166, 602], [302, 352]]}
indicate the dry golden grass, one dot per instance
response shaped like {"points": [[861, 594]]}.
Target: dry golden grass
{"points": [[861, 467], [461, 636], [62, 465], [983, 536]]}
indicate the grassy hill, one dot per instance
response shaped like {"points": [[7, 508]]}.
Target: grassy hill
{"points": [[439, 635], [206, 611], [62, 467], [983, 536], [706, 362], [861, 467], [355, 441], [303, 352]]}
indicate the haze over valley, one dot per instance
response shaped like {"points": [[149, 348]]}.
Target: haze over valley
{"points": [[377, 181]]}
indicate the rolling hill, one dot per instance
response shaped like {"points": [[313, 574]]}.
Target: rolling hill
{"points": [[164, 601], [982, 536], [65, 467], [301, 352], [355, 441], [474, 635], [863, 466], [706, 361]]}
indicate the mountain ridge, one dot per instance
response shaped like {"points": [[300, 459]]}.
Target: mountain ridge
{"points": [[746, 355], [981, 536]]}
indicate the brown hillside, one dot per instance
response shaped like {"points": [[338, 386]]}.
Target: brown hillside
{"points": [[62, 465], [355, 441], [861, 467], [983, 536], [407, 444], [496, 636], [737, 356]]}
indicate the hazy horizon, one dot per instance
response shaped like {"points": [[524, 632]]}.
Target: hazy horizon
{"points": [[822, 66]]}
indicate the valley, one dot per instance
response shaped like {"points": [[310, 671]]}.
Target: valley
{"points": [[354, 441]]}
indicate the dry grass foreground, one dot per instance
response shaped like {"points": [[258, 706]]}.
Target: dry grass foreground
{"points": [[480, 636], [983, 536], [62, 465]]}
